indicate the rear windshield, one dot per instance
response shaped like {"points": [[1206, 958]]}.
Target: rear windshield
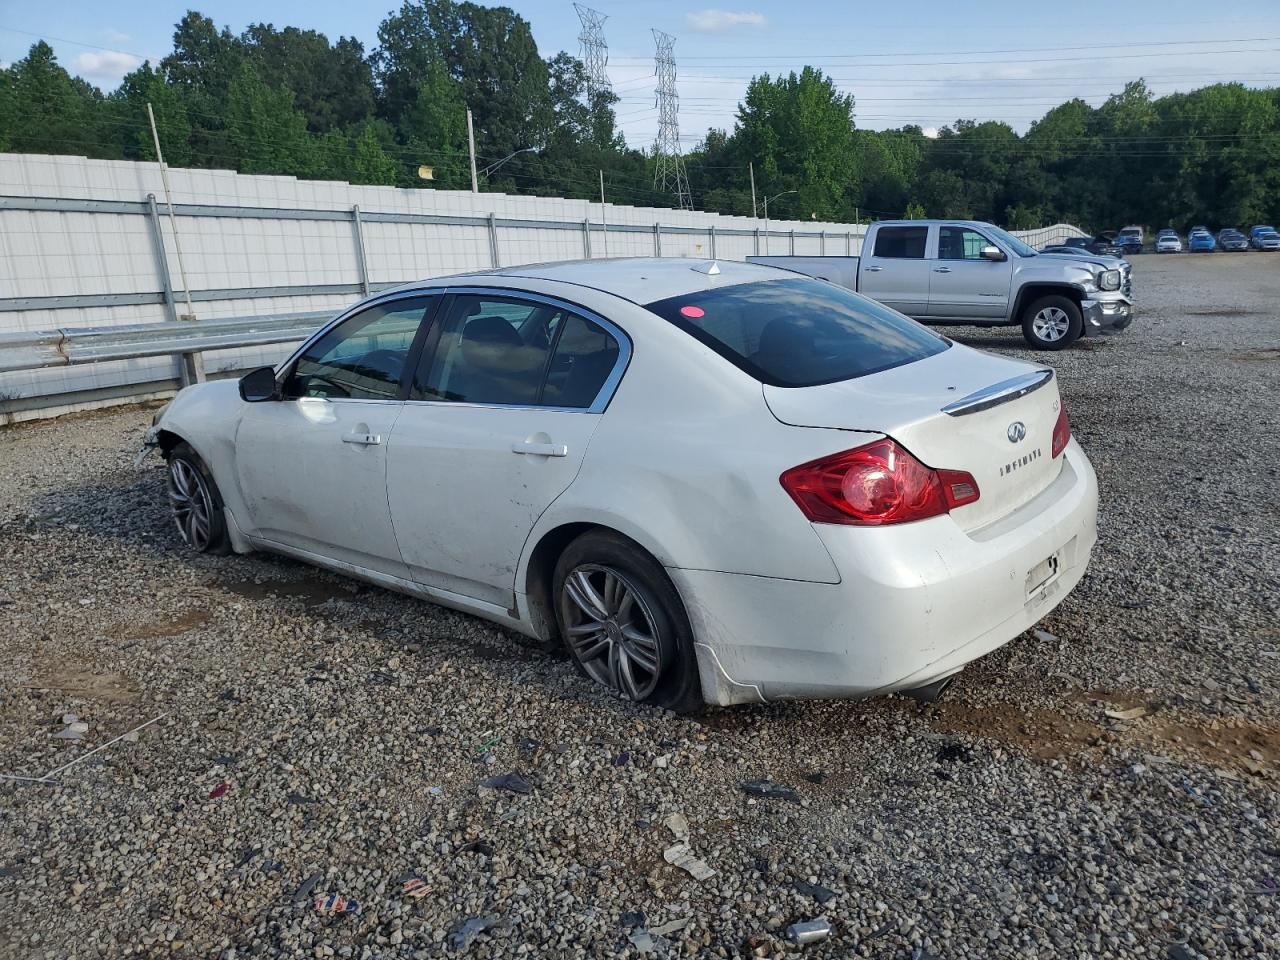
{"points": [[800, 332]]}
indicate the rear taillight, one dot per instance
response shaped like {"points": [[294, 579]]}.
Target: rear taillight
{"points": [[1061, 431], [876, 484]]}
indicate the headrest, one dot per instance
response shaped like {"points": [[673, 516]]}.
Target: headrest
{"points": [[497, 331]]}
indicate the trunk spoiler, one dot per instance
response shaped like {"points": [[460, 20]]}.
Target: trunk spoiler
{"points": [[999, 393]]}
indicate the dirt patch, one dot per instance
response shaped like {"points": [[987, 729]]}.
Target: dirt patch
{"points": [[1231, 743], [1044, 734], [311, 592], [1256, 356], [159, 629], [83, 683]]}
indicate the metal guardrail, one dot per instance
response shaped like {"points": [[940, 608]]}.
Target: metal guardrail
{"points": [[69, 346]]}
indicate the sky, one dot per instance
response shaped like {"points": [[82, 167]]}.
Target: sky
{"points": [[926, 62]]}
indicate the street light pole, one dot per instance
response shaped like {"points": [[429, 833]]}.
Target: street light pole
{"points": [[471, 142], [766, 216]]}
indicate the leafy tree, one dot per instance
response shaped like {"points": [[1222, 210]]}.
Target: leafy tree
{"points": [[43, 109], [264, 132], [332, 84], [126, 114]]}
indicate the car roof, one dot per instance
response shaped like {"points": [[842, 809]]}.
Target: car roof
{"points": [[638, 279]]}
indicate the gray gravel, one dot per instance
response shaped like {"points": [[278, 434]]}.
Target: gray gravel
{"points": [[349, 725]]}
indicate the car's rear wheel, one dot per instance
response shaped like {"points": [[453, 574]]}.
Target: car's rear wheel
{"points": [[623, 623], [196, 502], [1052, 322]]}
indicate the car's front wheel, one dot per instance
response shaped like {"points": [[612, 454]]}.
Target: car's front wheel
{"points": [[1052, 322], [623, 622], [196, 502]]}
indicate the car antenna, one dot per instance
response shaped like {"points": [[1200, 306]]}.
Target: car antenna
{"points": [[710, 268]]}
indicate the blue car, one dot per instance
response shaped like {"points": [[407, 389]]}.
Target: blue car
{"points": [[1201, 241]]}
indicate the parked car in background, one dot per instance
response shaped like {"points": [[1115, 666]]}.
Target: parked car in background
{"points": [[967, 272], [1130, 240], [1167, 241], [857, 505], [1094, 245], [1232, 240], [1264, 238], [1199, 228], [1201, 241]]}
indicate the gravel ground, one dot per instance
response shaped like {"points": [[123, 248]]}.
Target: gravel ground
{"points": [[321, 737]]}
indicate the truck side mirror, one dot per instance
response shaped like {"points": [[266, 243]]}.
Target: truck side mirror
{"points": [[259, 385], [992, 252]]}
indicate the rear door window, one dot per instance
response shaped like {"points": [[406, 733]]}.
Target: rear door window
{"points": [[800, 332], [901, 243]]}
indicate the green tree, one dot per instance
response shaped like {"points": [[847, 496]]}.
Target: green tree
{"points": [[126, 113], [264, 132], [370, 162], [332, 84], [43, 109]]}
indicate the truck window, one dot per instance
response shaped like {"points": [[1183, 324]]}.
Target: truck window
{"points": [[901, 243], [801, 332], [960, 243]]}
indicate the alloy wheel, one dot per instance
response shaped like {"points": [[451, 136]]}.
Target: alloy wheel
{"points": [[610, 628], [192, 505], [1051, 324]]}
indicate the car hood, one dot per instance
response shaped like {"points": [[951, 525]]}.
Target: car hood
{"points": [[1097, 259]]}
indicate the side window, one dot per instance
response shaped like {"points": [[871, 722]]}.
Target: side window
{"points": [[584, 357], [363, 358], [500, 350], [901, 243], [960, 243]]}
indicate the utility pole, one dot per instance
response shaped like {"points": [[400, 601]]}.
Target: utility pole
{"points": [[595, 52], [603, 222], [752, 171], [173, 220], [471, 141], [669, 174]]}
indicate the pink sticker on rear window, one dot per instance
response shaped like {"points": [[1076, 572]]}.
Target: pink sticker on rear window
{"points": [[692, 312]]}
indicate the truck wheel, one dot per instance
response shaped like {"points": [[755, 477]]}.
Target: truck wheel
{"points": [[1052, 322]]}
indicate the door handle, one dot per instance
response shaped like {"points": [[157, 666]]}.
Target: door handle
{"points": [[874, 269], [941, 269], [364, 439], [540, 449]]}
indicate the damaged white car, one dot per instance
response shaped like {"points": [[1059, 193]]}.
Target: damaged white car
{"points": [[716, 483]]}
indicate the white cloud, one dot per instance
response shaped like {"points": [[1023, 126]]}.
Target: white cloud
{"points": [[106, 68], [930, 132], [116, 38], [722, 21]]}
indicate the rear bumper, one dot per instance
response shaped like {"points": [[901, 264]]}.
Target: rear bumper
{"points": [[915, 602], [1115, 312]]}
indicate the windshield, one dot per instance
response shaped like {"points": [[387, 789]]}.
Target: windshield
{"points": [[1007, 238], [799, 332]]}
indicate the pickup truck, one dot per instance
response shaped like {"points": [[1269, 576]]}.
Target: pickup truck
{"points": [[965, 272]]}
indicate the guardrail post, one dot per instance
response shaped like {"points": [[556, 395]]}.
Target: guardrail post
{"points": [[822, 244], [162, 260], [713, 241], [586, 237], [191, 367], [657, 239], [848, 243], [493, 240], [793, 243], [361, 264], [757, 241]]}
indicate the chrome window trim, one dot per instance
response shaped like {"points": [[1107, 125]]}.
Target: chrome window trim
{"points": [[611, 382]]}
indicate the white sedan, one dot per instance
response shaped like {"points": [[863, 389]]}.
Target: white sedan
{"points": [[715, 483]]}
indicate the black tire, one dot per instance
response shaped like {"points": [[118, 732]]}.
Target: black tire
{"points": [[196, 503], [1062, 306], [609, 655]]}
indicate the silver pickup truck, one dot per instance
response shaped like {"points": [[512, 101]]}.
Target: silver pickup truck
{"points": [[961, 271]]}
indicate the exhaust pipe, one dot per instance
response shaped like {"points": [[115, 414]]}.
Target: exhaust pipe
{"points": [[930, 693]]}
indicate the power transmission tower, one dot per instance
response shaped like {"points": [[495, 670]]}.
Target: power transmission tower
{"points": [[595, 52], [669, 174]]}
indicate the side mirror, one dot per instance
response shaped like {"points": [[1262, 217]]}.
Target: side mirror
{"points": [[259, 385], [992, 252]]}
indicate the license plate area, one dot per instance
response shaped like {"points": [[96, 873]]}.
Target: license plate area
{"points": [[1043, 573]]}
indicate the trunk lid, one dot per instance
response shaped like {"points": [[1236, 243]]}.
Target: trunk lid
{"points": [[956, 410]]}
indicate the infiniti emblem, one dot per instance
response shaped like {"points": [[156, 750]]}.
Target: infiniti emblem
{"points": [[1017, 430]]}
